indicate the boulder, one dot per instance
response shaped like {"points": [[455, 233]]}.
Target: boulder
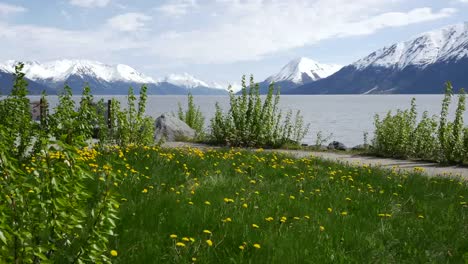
{"points": [[171, 128], [336, 145], [361, 147]]}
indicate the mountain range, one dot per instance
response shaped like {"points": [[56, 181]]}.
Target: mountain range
{"points": [[102, 78], [420, 65]]}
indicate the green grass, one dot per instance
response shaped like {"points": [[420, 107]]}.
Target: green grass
{"points": [[426, 218]]}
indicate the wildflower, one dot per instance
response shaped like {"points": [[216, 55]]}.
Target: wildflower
{"points": [[144, 190], [283, 219], [194, 259], [348, 199], [292, 197], [207, 203], [329, 209], [209, 242], [241, 247], [255, 226], [269, 219], [207, 232], [186, 239], [256, 246], [192, 239], [322, 228], [344, 213], [296, 218], [191, 203], [307, 217], [245, 205], [227, 220], [228, 200], [173, 236], [180, 244], [421, 216]]}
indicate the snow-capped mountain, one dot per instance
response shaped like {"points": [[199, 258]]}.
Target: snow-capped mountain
{"points": [[61, 70], [303, 70], [298, 72], [419, 65], [449, 43], [104, 78]]}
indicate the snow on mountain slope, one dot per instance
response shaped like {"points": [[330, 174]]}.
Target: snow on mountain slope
{"points": [[184, 80], [448, 43], [60, 70], [294, 71]]}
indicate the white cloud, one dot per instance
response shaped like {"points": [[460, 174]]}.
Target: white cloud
{"points": [[463, 1], [90, 3], [7, 9], [176, 7], [250, 30], [244, 30], [129, 21]]}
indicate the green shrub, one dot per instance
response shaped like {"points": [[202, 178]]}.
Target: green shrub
{"points": [[255, 122], [193, 117], [15, 118], [433, 139], [130, 125]]}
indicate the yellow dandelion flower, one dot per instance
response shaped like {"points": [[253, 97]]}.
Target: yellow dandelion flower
{"points": [[292, 197], [186, 239], [192, 239], [245, 205], [207, 203], [255, 226], [207, 231], [144, 190], [344, 213], [209, 242], [114, 253], [173, 236], [257, 246], [296, 218], [269, 219], [329, 210], [322, 228], [283, 219], [421, 216], [180, 244], [348, 199], [194, 259], [241, 247]]}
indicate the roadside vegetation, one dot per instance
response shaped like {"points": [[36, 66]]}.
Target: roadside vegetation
{"points": [[79, 187], [404, 135]]}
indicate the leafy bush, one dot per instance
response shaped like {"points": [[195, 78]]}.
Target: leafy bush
{"points": [[193, 117], [15, 118], [255, 122], [130, 125], [401, 136], [55, 206]]}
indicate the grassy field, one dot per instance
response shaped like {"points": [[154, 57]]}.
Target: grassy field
{"points": [[230, 206]]}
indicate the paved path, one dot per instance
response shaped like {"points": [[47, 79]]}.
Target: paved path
{"points": [[431, 169]]}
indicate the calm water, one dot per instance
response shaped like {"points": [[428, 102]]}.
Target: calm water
{"points": [[344, 117]]}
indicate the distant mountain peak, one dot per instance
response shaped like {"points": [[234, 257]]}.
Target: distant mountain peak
{"points": [[185, 80], [61, 70], [302, 70], [444, 44]]}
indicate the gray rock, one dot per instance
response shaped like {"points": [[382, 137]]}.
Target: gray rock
{"points": [[171, 128], [336, 145], [361, 147]]}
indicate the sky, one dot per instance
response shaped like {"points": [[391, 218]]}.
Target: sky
{"points": [[214, 40]]}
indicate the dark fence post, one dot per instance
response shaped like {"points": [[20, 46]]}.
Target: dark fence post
{"points": [[43, 111]]}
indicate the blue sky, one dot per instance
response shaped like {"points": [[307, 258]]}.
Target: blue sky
{"points": [[215, 40]]}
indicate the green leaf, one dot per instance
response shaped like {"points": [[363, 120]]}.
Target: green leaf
{"points": [[3, 238]]}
